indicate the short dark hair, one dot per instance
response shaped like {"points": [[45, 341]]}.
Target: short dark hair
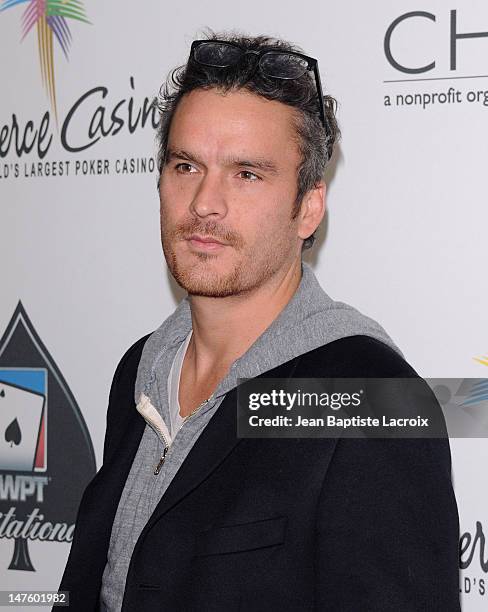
{"points": [[315, 142]]}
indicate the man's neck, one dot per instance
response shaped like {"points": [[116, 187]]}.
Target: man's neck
{"points": [[225, 328]]}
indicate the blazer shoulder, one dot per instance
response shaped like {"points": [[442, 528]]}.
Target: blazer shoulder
{"points": [[358, 355], [121, 397], [130, 359], [126, 372]]}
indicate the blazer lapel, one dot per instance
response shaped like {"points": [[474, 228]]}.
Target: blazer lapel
{"points": [[213, 445]]}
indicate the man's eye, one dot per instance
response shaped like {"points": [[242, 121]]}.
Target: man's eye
{"points": [[249, 176], [185, 168]]}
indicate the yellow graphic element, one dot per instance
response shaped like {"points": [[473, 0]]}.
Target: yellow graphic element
{"points": [[51, 18], [483, 360], [46, 58]]}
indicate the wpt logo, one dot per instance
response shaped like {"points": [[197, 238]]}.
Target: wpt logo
{"points": [[23, 418], [46, 454], [51, 20]]}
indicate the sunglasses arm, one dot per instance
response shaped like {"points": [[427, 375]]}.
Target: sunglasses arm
{"points": [[320, 94]]}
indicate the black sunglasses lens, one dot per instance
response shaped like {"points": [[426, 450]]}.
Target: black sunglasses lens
{"points": [[283, 65], [216, 54]]}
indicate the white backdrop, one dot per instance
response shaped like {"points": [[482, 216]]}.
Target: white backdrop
{"points": [[406, 233]]}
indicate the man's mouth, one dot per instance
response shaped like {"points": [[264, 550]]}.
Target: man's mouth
{"points": [[206, 243]]}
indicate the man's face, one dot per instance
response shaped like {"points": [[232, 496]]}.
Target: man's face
{"points": [[227, 192]]}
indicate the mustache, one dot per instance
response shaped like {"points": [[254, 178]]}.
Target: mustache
{"points": [[211, 229]]}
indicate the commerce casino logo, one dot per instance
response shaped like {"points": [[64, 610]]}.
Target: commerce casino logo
{"points": [[93, 115], [46, 453], [473, 551], [51, 20], [473, 558]]}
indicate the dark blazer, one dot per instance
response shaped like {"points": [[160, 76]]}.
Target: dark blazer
{"points": [[350, 525]]}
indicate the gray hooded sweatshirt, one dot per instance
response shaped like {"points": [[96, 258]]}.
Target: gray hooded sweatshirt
{"points": [[309, 320]]}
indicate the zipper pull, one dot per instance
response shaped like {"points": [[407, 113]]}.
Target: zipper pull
{"points": [[161, 461]]}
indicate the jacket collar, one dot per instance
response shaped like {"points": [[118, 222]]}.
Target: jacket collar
{"points": [[310, 319]]}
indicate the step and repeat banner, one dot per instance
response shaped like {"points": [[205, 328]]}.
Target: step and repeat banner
{"points": [[83, 275]]}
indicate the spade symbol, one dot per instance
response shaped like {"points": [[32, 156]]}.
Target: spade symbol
{"points": [[2, 393], [68, 438], [13, 434]]}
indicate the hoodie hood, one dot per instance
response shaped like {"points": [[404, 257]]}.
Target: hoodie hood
{"points": [[309, 320]]}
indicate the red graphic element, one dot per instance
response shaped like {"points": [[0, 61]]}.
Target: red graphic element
{"points": [[40, 463]]}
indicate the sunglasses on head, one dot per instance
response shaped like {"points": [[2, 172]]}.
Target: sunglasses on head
{"points": [[271, 62]]}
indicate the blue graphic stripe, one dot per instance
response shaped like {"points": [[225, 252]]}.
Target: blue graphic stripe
{"points": [[475, 400], [483, 384], [479, 389], [9, 3], [478, 393], [30, 380]]}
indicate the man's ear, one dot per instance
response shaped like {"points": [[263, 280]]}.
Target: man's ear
{"points": [[312, 210]]}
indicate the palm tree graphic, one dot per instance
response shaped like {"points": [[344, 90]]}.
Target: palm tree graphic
{"points": [[51, 20]]}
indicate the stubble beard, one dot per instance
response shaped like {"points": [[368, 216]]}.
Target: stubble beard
{"points": [[247, 274]]}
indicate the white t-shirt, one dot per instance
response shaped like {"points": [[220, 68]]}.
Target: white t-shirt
{"points": [[174, 385]]}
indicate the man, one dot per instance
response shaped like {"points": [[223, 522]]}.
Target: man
{"points": [[183, 514]]}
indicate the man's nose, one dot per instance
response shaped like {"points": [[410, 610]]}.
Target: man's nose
{"points": [[209, 199]]}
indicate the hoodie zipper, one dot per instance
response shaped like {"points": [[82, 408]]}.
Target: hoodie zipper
{"points": [[160, 463]]}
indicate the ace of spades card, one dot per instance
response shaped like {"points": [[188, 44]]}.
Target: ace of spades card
{"points": [[21, 412]]}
